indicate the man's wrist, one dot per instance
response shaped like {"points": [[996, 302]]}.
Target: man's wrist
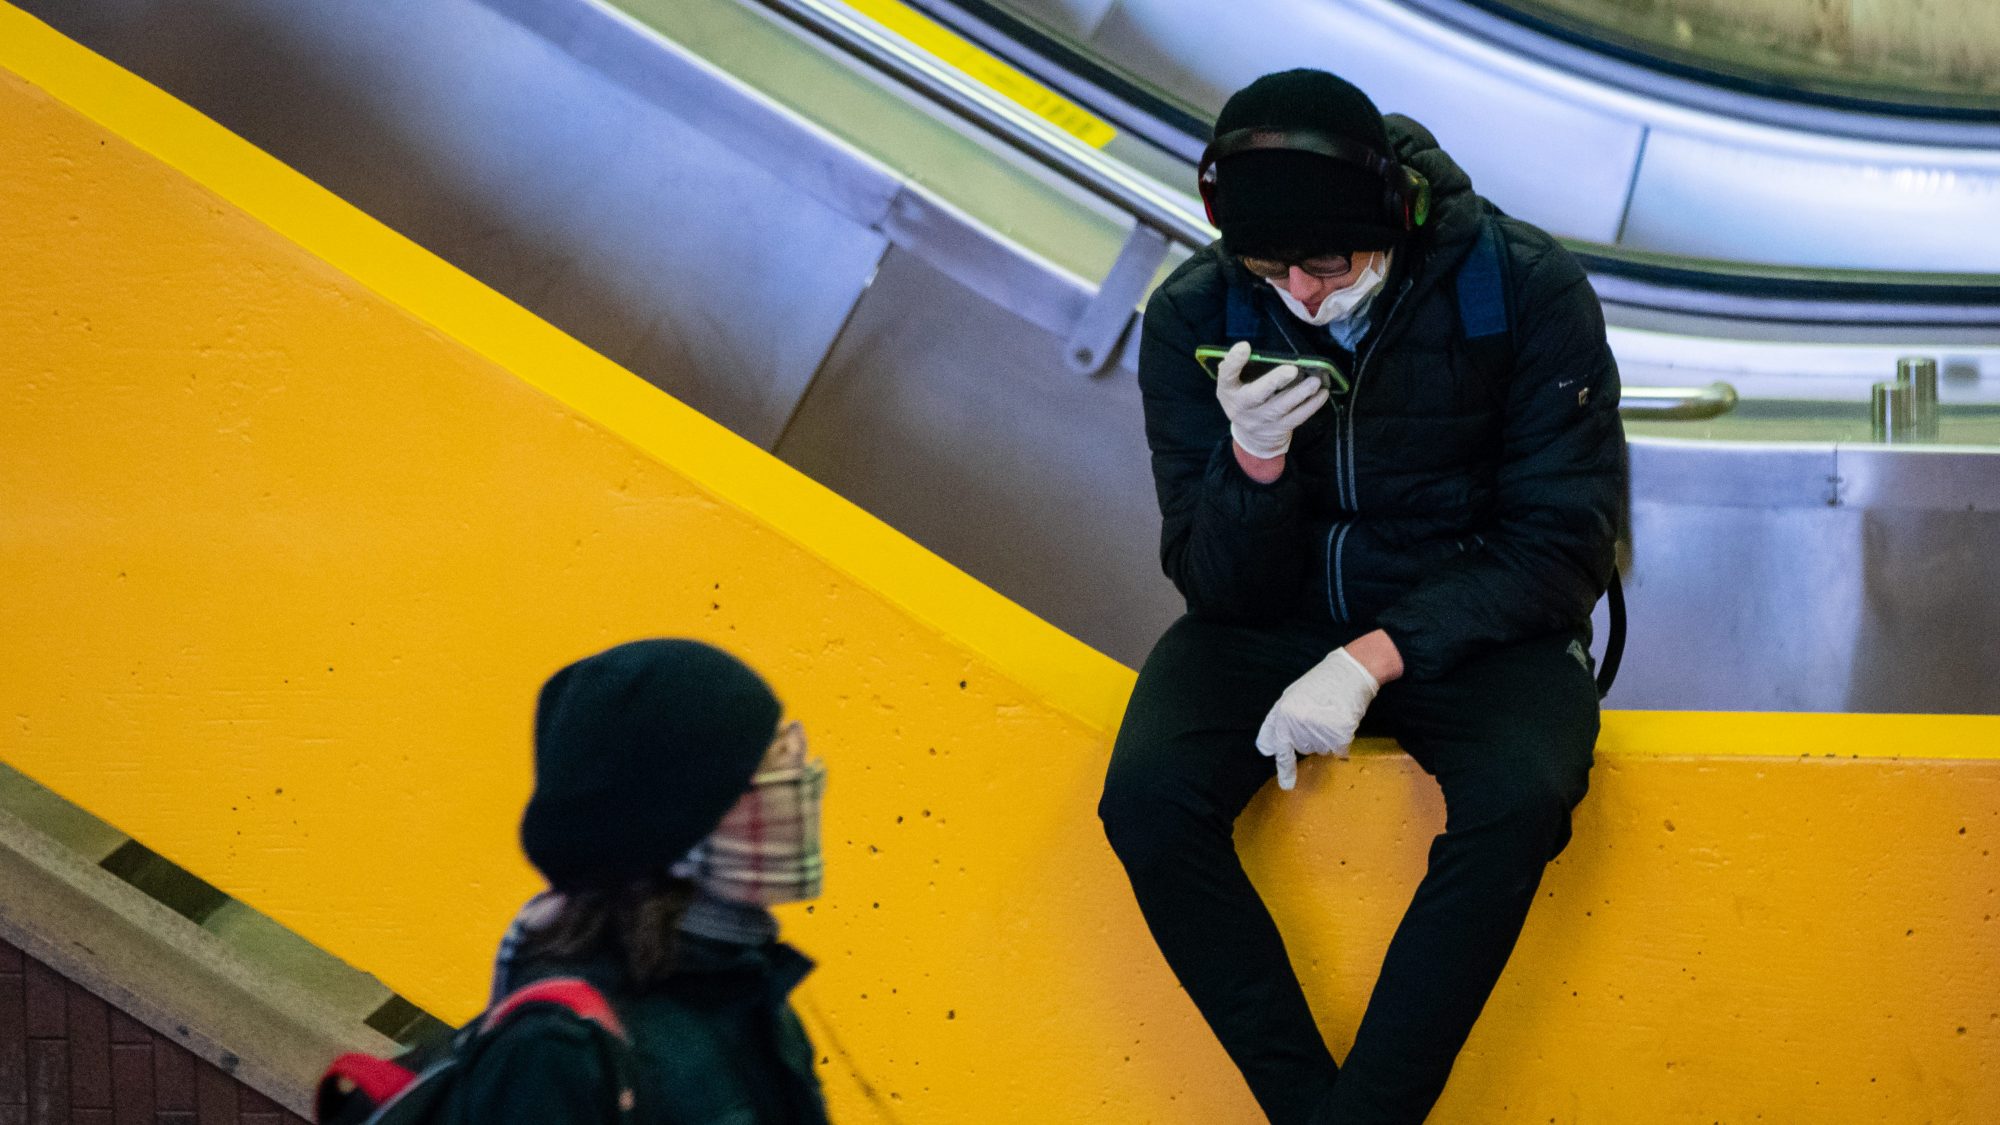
{"points": [[1263, 470], [1378, 654]]}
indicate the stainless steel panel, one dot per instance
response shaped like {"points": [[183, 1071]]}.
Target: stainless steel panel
{"points": [[1739, 608], [989, 265], [1932, 478], [1929, 636], [961, 424], [623, 224], [1753, 589], [1760, 196], [1713, 474], [622, 50]]}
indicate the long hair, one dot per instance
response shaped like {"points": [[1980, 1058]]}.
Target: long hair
{"points": [[637, 925]]}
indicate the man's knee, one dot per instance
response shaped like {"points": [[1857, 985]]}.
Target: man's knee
{"points": [[1533, 808], [1129, 812], [1150, 826]]}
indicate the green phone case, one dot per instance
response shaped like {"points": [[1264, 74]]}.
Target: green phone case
{"points": [[1329, 375]]}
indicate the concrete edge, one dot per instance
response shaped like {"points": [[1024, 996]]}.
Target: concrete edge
{"points": [[169, 973]]}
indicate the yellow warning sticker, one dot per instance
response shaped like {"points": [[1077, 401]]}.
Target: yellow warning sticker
{"points": [[987, 70]]}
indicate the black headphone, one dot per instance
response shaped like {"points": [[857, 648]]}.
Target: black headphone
{"points": [[1406, 195]]}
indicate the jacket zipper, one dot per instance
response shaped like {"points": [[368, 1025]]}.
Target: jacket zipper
{"points": [[1345, 472], [1352, 495], [1344, 469], [1336, 535], [1336, 587]]}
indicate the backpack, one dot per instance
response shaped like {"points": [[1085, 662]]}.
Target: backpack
{"points": [[1485, 291], [415, 1087], [1486, 316]]}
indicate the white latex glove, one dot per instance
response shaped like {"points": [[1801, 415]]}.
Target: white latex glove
{"points": [[1317, 714], [1263, 414]]}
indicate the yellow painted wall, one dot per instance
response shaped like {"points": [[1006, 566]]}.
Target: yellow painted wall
{"points": [[294, 519]]}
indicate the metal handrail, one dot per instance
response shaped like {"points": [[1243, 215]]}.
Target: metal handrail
{"points": [[1048, 146], [1683, 403], [1652, 280]]}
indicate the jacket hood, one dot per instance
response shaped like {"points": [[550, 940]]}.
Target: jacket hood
{"points": [[1456, 211]]}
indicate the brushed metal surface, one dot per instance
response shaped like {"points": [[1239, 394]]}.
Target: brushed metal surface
{"points": [[1739, 608], [1599, 150], [1676, 403], [1506, 133], [1734, 474], [657, 240], [1762, 195], [962, 424], [1935, 478]]}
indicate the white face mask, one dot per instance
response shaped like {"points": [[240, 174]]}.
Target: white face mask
{"points": [[1342, 304]]}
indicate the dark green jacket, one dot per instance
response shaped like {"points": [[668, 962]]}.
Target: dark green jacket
{"points": [[1458, 507], [718, 1044]]}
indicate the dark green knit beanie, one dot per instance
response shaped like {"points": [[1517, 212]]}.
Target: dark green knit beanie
{"points": [[1290, 206], [639, 751]]}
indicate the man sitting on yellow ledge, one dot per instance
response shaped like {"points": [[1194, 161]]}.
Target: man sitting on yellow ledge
{"points": [[1418, 536]]}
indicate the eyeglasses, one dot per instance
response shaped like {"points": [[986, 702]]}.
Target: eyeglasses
{"points": [[1325, 267]]}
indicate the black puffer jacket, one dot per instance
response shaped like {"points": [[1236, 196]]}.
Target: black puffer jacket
{"points": [[716, 1044], [1454, 503]]}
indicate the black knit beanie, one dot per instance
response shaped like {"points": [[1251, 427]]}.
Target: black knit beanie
{"points": [[639, 751], [1294, 205]]}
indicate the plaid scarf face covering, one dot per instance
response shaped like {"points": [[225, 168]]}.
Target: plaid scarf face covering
{"points": [[766, 850]]}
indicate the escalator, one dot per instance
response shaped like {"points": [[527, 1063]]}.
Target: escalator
{"points": [[922, 293], [1586, 143], [1875, 61]]}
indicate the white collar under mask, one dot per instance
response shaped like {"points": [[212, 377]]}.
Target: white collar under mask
{"points": [[1348, 305]]}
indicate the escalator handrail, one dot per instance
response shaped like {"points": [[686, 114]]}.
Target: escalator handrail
{"points": [[1760, 285], [1155, 206], [1004, 31], [1910, 294], [1788, 282]]}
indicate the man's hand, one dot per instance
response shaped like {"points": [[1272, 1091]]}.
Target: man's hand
{"points": [[1318, 713], [1263, 414]]}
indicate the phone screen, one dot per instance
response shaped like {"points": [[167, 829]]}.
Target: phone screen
{"points": [[1258, 367]]}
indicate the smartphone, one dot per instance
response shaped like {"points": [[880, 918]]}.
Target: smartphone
{"points": [[1260, 365]]}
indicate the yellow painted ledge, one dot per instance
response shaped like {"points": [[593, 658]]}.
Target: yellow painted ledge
{"points": [[295, 518], [1056, 667]]}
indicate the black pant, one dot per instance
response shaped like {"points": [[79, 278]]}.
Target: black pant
{"points": [[1509, 738]]}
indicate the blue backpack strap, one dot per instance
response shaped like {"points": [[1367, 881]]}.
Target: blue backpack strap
{"points": [[1486, 315], [1485, 306], [1240, 313]]}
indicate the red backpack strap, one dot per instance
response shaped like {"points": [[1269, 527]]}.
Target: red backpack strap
{"points": [[582, 1000], [356, 1075], [574, 994]]}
